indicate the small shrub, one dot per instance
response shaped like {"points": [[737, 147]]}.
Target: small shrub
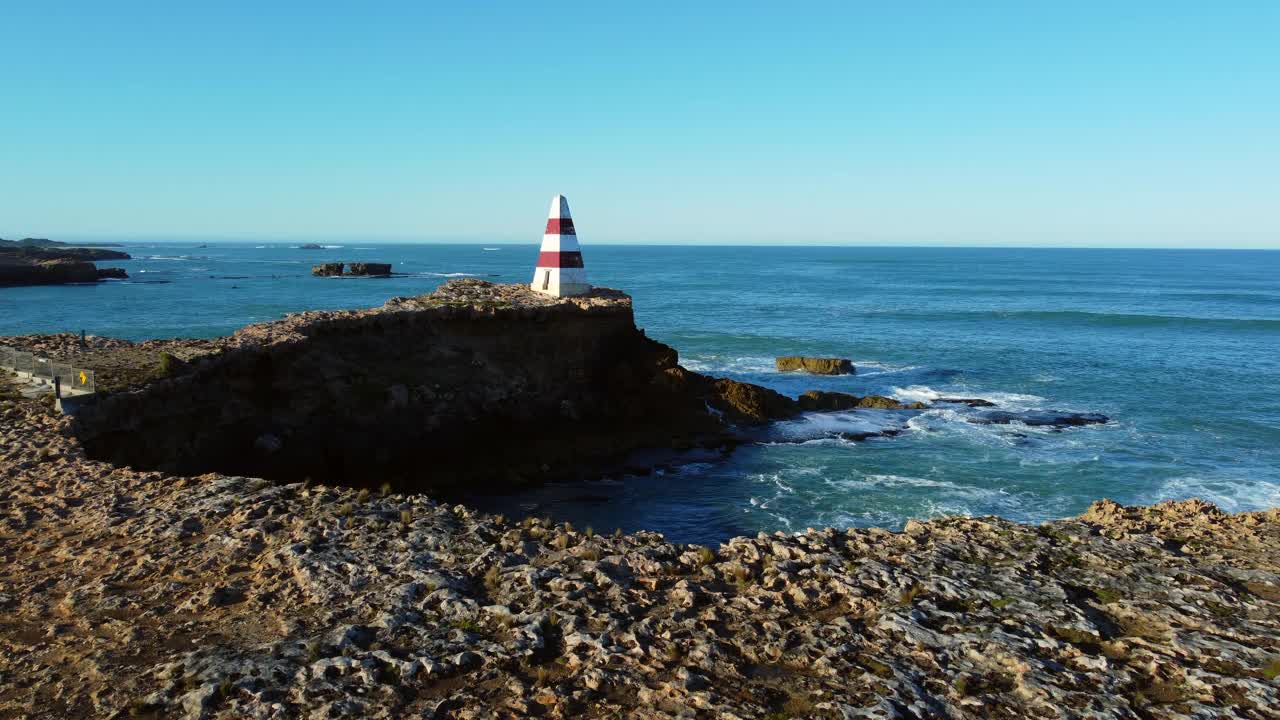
{"points": [[798, 706], [1001, 603], [561, 541], [741, 577], [1106, 597], [589, 532], [499, 520], [673, 653], [589, 553], [168, 364], [875, 667], [542, 676], [406, 517], [344, 510], [363, 496], [706, 556], [617, 534], [491, 577], [909, 595], [386, 489], [1271, 670]]}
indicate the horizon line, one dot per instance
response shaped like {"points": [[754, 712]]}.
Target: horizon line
{"points": [[630, 243]]}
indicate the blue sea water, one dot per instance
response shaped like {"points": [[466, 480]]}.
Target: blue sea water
{"points": [[1181, 349]]}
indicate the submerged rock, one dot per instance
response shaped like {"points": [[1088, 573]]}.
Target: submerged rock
{"points": [[815, 365], [971, 402], [1038, 418]]}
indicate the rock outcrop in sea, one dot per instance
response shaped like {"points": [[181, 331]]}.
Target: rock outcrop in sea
{"points": [[357, 269], [815, 365], [141, 591], [36, 262]]}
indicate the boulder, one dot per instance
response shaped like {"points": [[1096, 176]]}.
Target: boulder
{"points": [[815, 365], [112, 273], [327, 269]]}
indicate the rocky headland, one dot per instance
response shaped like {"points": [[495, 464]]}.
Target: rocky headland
{"points": [[40, 262], [144, 575]]}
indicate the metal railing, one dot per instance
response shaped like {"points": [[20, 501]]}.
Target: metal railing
{"points": [[29, 366]]}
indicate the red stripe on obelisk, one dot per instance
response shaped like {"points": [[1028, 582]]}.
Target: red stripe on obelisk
{"points": [[560, 226], [553, 259]]}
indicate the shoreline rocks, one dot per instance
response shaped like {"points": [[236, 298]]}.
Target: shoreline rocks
{"points": [[815, 365]]}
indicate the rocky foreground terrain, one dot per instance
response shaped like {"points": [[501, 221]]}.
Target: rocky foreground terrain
{"points": [[150, 593], [138, 594]]}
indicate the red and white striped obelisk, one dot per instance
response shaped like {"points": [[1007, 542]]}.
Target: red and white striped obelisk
{"points": [[560, 270]]}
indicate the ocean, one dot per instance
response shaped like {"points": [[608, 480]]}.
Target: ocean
{"points": [[1180, 349]]}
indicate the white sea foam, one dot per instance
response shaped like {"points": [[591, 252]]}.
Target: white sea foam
{"points": [[813, 426], [1232, 494], [924, 393], [724, 363]]}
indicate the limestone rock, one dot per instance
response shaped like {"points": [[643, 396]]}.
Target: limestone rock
{"points": [[815, 365]]}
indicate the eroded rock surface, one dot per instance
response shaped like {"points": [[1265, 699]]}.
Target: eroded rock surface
{"points": [[128, 593]]}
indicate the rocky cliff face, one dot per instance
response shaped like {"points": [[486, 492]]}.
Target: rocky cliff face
{"points": [[473, 387]]}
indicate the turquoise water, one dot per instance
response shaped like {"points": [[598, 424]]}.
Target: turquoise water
{"points": [[1181, 349]]}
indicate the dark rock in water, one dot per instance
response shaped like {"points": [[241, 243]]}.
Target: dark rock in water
{"points": [[112, 273], [328, 269], [311, 246], [815, 365], [860, 436], [1039, 418], [971, 402], [372, 269]]}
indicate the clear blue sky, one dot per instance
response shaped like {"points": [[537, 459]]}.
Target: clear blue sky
{"points": [[1020, 123]]}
